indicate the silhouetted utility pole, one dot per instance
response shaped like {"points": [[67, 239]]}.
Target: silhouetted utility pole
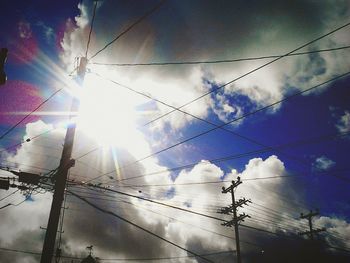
{"points": [[312, 231], [233, 209], [61, 176], [3, 57]]}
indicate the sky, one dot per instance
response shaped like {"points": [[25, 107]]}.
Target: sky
{"points": [[271, 107]]}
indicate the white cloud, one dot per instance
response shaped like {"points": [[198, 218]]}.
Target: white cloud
{"points": [[177, 86], [179, 227], [323, 163], [338, 230], [24, 30], [343, 124], [47, 30]]}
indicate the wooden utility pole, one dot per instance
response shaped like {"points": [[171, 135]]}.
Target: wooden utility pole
{"points": [[312, 231], [3, 57], [233, 209], [61, 176]]}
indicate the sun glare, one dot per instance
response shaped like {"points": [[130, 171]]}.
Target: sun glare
{"points": [[107, 112]]}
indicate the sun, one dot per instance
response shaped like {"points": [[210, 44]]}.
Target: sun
{"points": [[107, 112]]}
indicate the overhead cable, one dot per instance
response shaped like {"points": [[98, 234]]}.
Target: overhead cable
{"points": [[139, 227], [217, 61], [129, 28]]}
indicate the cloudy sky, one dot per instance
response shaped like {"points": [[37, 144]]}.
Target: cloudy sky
{"points": [[256, 90]]}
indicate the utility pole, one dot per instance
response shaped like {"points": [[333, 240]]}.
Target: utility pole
{"points": [[312, 231], [61, 176], [233, 209], [3, 57]]}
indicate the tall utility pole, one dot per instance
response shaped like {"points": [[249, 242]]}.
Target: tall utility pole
{"points": [[233, 209], [3, 57], [312, 231], [61, 176]]}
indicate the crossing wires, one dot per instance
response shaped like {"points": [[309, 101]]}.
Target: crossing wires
{"points": [[91, 27], [227, 123], [253, 71], [139, 227], [151, 11]]}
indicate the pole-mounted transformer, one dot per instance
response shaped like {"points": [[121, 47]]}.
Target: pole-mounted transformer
{"points": [[4, 183]]}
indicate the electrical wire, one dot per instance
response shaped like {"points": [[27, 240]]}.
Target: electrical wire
{"points": [[186, 223], [21, 164], [115, 259], [211, 217], [9, 195], [252, 71], [10, 204], [200, 119], [218, 61], [26, 116], [346, 250], [27, 140], [91, 27], [237, 119], [129, 28], [139, 227], [20, 251], [230, 157]]}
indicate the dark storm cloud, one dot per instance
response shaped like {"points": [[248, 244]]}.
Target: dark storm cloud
{"points": [[217, 29]]}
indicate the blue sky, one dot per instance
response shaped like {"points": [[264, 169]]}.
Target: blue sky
{"points": [[45, 38]]}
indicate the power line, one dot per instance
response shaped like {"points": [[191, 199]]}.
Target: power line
{"points": [[205, 182], [129, 28], [198, 118], [239, 118], [137, 226], [290, 237], [116, 259], [152, 201], [230, 122], [91, 27], [165, 258], [193, 212], [10, 204], [27, 140], [230, 157], [36, 144], [20, 251], [218, 61], [26, 116], [251, 71], [16, 164], [9, 195], [173, 218], [210, 217]]}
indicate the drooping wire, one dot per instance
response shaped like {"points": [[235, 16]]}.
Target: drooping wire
{"points": [[18, 204], [9, 195], [27, 140], [139, 227], [203, 120], [30, 113], [242, 76], [114, 259], [199, 214], [230, 122], [231, 157], [129, 28], [251, 71], [91, 27], [217, 61]]}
